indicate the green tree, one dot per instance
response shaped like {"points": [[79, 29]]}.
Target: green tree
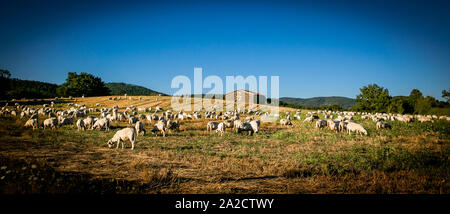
{"points": [[4, 83], [400, 104], [423, 105], [373, 98], [415, 96], [446, 95], [82, 84]]}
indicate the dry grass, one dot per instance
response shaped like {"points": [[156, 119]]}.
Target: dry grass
{"points": [[412, 158]]}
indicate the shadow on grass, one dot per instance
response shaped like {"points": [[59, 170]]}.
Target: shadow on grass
{"points": [[33, 177]]}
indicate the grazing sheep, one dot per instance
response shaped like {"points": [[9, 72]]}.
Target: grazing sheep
{"points": [[420, 119], [211, 125], [132, 120], [51, 122], [197, 116], [65, 121], [101, 123], [142, 117], [221, 128], [140, 128], [355, 127], [248, 119], [246, 127], [34, 116], [22, 115], [173, 125], [123, 135], [149, 118], [228, 123], [32, 123], [383, 125], [80, 125], [161, 127], [321, 124], [309, 119], [334, 126], [405, 119], [255, 125], [342, 126], [238, 124], [89, 122], [120, 116], [285, 122]]}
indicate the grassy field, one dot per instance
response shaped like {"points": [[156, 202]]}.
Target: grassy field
{"points": [[410, 158]]}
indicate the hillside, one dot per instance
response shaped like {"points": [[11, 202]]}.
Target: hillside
{"points": [[320, 101], [31, 89], [130, 89]]}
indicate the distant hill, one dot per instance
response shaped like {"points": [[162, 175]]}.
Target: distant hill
{"points": [[31, 89], [315, 102], [130, 89]]}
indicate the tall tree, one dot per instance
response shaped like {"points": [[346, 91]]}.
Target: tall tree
{"points": [[423, 105], [400, 105], [372, 98], [446, 95], [415, 96], [4, 83], [82, 84]]}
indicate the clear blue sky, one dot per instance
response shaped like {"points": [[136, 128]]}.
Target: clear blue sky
{"points": [[318, 48]]}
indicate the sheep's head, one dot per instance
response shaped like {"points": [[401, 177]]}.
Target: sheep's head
{"points": [[110, 143], [155, 129]]}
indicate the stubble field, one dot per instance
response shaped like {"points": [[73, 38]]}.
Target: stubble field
{"points": [[410, 158]]}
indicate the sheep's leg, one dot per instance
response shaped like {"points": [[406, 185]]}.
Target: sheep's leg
{"points": [[118, 142]]}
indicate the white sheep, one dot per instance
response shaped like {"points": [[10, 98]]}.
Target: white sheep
{"points": [[211, 125], [221, 128], [32, 123], [285, 122], [120, 116], [80, 125], [342, 126], [101, 123], [65, 121], [89, 122], [51, 122], [140, 128], [246, 127], [173, 125], [383, 125], [255, 125], [355, 127], [160, 126], [333, 125], [123, 135], [321, 124], [132, 120], [238, 124], [309, 119]]}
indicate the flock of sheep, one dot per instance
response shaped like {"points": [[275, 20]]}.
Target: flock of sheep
{"points": [[164, 121]]}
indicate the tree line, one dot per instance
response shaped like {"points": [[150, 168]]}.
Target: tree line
{"points": [[76, 85], [373, 98]]}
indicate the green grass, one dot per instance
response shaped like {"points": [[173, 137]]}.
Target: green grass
{"points": [[418, 150]]}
